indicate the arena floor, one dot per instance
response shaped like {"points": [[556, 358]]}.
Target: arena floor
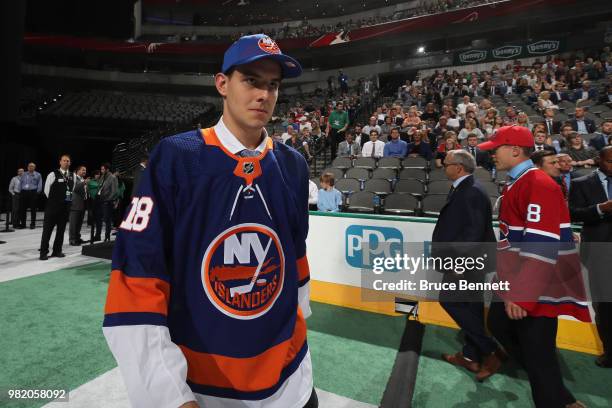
{"points": [[51, 337]]}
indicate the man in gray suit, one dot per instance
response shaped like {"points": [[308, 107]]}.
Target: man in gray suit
{"points": [[104, 201], [77, 208]]}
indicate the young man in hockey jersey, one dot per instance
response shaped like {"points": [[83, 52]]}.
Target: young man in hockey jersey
{"points": [[537, 256], [208, 295]]}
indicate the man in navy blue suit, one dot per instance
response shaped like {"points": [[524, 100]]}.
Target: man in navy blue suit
{"points": [[581, 123], [586, 93], [464, 224], [604, 137]]}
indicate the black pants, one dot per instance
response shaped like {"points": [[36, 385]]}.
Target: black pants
{"points": [[334, 137], [104, 212], [54, 218], [313, 402], [76, 222], [15, 217], [603, 319], [532, 341], [467, 310], [28, 199]]}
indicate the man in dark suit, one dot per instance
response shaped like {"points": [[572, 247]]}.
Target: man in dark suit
{"points": [[586, 93], [556, 96], [553, 127], [591, 203], [540, 142], [582, 124], [137, 173], [567, 173], [604, 137], [483, 159], [465, 222], [77, 208]]}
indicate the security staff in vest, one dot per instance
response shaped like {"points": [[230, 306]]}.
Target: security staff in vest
{"points": [[59, 187]]}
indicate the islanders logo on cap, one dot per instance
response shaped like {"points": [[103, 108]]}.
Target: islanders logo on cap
{"points": [[268, 45], [243, 270]]}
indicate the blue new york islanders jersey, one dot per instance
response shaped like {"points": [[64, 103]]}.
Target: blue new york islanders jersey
{"points": [[210, 267]]}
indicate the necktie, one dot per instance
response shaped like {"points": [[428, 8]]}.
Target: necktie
{"points": [[450, 193], [373, 148], [473, 152], [609, 188], [564, 187], [549, 124], [249, 153]]}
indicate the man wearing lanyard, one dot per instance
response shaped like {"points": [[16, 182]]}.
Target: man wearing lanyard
{"points": [[30, 187], [58, 189]]}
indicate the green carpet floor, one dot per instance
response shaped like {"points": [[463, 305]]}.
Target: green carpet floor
{"points": [[51, 337], [353, 351], [441, 385], [51, 334]]}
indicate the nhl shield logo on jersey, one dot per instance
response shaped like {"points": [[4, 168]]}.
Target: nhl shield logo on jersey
{"points": [[243, 271], [268, 45], [248, 167]]}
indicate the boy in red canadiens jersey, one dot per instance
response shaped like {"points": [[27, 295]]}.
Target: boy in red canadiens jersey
{"points": [[537, 256]]}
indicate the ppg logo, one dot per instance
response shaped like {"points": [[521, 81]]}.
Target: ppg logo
{"points": [[381, 241]]}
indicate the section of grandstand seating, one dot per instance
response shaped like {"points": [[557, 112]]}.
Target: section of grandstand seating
{"points": [[144, 109]]}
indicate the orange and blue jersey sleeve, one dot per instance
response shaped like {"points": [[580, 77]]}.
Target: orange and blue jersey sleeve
{"points": [[154, 368], [139, 287]]}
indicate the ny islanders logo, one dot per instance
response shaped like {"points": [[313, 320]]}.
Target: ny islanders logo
{"points": [[268, 45], [243, 271]]}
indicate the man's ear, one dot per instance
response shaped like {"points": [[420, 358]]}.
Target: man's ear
{"points": [[221, 81]]}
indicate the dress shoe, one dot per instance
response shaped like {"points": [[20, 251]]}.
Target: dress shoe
{"points": [[97, 238], [75, 243], [32, 226], [43, 257], [58, 254], [459, 360], [107, 239], [491, 364], [603, 361]]}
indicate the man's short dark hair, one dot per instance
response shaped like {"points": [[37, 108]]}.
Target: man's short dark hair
{"points": [[528, 151], [538, 157], [374, 131], [395, 128], [65, 155], [604, 150], [106, 165], [472, 135]]}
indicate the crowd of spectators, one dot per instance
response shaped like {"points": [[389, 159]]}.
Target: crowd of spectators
{"points": [[444, 111], [309, 30]]}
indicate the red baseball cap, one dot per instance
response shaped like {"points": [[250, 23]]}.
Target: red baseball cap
{"points": [[509, 135]]}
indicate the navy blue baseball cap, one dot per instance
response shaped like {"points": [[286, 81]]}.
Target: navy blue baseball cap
{"points": [[254, 47]]}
